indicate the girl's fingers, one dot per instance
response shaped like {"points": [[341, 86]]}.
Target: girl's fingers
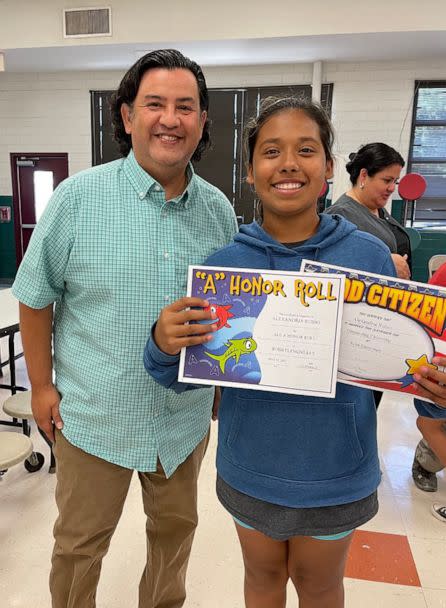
{"points": [[194, 329], [186, 316], [193, 340], [187, 303], [431, 390]]}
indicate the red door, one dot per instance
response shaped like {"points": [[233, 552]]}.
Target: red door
{"points": [[34, 177]]}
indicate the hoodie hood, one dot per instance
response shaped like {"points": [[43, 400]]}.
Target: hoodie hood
{"points": [[331, 230]]}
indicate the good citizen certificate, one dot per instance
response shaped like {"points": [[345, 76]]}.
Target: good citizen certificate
{"points": [[391, 328], [276, 331]]}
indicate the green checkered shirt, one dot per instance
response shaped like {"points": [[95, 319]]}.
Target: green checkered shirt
{"points": [[111, 252]]}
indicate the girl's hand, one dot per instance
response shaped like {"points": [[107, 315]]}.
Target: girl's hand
{"points": [[431, 383], [173, 330]]}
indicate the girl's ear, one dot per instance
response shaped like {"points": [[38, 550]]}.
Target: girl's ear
{"points": [[329, 169], [250, 176]]}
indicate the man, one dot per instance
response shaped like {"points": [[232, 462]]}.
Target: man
{"points": [[111, 250]]}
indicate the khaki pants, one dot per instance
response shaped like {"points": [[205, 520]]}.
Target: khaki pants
{"points": [[90, 495]]}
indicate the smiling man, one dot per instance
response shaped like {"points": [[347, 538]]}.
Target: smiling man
{"points": [[111, 250]]}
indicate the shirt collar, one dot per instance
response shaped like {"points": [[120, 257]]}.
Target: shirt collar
{"points": [[143, 183]]}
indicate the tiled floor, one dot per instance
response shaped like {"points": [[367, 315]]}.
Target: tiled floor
{"points": [[398, 560]]}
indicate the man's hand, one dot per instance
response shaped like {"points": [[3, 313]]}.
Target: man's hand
{"points": [[401, 266], [45, 405], [431, 383], [173, 331]]}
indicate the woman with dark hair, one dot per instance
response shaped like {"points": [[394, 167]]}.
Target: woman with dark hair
{"points": [[374, 172]]}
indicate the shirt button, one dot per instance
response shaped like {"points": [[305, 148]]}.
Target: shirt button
{"points": [[166, 255], [167, 298], [141, 195], [157, 188]]}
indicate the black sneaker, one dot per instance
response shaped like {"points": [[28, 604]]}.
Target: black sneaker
{"points": [[424, 480], [439, 511]]}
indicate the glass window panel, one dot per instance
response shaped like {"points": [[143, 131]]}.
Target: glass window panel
{"points": [[429, 142], [434, 205], [431, 104], [43, 189], [435, 175], [431, 211]]}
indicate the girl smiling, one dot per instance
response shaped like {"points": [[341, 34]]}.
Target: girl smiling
{"points": [[298, 474]]}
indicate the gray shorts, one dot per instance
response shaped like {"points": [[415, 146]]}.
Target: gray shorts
{"points": [[281, 523]]}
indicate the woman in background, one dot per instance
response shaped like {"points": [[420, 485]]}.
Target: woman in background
{"points": [[374, 172]]}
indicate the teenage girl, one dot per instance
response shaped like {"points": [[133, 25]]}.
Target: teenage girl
{"points": [[298, 474]]}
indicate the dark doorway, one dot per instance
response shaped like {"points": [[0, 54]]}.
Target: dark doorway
{"points": [[34, 177]]}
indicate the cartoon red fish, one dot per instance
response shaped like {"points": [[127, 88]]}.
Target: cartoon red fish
{"points": [[222, 313]]}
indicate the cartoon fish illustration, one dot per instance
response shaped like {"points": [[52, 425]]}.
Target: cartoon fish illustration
{"points": [[222, 313], [236, 348]]}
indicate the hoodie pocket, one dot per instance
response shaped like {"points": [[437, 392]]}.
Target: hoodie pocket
{"points": [[304, 441]]}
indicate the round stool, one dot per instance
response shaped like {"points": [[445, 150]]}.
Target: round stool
{"points": [[14, 447], [19, 406]]}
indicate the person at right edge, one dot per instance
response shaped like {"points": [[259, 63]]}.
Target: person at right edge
{"points": [[430, 453]]}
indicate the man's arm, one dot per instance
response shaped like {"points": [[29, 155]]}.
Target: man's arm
{"points": [[36, 327]]}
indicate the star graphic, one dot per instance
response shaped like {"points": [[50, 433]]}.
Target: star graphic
{"points": [[406, 381], [415, 364]]}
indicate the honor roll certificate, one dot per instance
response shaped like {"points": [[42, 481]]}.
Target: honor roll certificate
{"points": [[391, 327], [276, 331]]}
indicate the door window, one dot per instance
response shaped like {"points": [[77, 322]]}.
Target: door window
{"points": [[43, 189]]}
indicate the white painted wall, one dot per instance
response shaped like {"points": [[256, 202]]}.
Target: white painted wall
{"points": [[50, 112], [374, 102], [28, 23]]}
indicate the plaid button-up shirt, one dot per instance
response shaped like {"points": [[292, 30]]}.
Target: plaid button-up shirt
{"points": [[111, 253]]}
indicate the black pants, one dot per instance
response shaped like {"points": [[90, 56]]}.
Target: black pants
{"points": [[377, 396]]}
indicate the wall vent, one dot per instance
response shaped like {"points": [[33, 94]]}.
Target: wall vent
{"points": [[84, 22]]}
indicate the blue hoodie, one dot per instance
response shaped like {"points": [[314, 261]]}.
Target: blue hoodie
{"points": [[294, 450]]}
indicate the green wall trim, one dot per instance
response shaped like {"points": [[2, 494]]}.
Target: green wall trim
{"points": [[7, 243], [432, 243], [398, 210]]}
